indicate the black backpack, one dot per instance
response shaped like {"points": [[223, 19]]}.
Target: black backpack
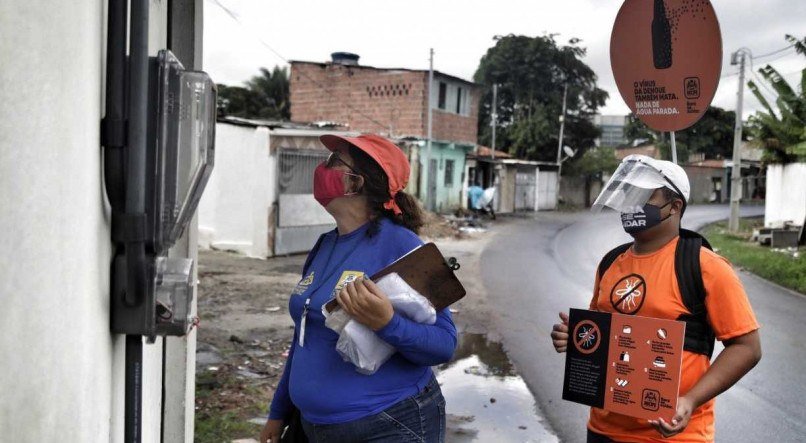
{"points": [[699, 334]]}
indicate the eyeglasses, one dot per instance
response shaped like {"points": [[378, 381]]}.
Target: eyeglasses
{"points": [[334, 158]]}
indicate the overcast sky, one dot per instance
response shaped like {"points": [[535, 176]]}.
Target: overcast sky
{"points": [[388, 33]]}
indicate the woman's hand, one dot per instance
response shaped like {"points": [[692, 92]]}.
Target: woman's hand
{"points": [[271, 431], [366, 303], [559, 334]]}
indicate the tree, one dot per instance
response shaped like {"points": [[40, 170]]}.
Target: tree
{"points": [[264, 97], [530, 73], [781, 134]]}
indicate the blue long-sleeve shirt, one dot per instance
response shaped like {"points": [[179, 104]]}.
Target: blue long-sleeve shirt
{"points": [[324, 387]]}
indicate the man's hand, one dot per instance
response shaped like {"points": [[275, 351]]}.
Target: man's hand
{"points": [[271, 431], [366, 303], [680, 420], [559, 333]]}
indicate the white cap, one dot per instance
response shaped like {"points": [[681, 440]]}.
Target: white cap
{"points": [[634, 181], [675, 174]]}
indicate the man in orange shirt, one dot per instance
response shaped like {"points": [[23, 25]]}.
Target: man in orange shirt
{"points": [[651, 196]]}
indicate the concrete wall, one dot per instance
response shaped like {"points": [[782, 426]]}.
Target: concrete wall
{"points": [[57, 378], [572, 190], [702, 184], [234, 211], [506, 188], [786, 194], [62, 376]]}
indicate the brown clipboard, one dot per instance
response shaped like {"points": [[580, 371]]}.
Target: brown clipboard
{"points": [[428, 273]]}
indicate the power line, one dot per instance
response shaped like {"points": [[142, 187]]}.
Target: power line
{"points": [[771, 53], [280, 56]]}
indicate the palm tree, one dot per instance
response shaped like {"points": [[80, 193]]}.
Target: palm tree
{"points": [[781, 134], [272, 88]]}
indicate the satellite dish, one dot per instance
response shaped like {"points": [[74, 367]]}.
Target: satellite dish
{"points": [[568, 151]]}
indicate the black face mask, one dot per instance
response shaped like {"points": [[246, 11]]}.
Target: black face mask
{"points": [[641, 221]]}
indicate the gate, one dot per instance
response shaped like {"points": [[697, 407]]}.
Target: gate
{"points": [[300, 219], [547, 190], [525, 188]]}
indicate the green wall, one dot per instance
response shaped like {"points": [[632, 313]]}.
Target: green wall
{"points": [[448, 192]]}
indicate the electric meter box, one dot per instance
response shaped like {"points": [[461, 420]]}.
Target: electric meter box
{"points": [[179, 161]]}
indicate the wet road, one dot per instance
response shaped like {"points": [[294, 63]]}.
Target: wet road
{"points": [[534, 268]]}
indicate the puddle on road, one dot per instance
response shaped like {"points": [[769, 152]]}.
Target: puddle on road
{"points": [[486, 399]]}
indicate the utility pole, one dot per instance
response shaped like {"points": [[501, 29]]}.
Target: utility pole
{"points": [[560, 143], [494, 115], [494, 122], [736, 173], [674, 147], [428, 196]]}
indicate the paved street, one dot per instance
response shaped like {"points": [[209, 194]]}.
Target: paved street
{"points": [[533, 268]]}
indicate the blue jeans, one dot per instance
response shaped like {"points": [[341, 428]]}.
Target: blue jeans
{"points": [[419, 418]]}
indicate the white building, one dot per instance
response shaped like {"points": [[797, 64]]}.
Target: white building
{"points": [[259, 201], [612, 127], [62, 370], [786, 195]]}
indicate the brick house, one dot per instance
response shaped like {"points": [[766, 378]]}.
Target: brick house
{"points": [[394, 102]]}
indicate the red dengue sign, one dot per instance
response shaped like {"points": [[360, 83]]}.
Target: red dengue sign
{"points": [[666, 57]]}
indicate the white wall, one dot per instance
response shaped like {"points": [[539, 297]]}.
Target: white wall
{"points": [[234, 210], [786, 194], [62, 373], [57, 352]]}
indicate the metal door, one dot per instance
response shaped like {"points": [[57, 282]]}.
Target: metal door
{"points": [[547, 190], [432, 185], [525, 184], [300, 219]]}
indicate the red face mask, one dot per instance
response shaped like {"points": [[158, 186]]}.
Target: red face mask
{"points": [[328, 184]]}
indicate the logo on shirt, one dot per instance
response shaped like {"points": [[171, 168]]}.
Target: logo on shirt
{"points": [[303, 285], [627, 296], [346, 277]]}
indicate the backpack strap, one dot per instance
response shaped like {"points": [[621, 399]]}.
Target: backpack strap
{"points": [[610, 257], [699, 334], [312, 254]]}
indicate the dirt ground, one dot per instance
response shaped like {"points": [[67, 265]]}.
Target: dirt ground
{"points": [[245, 330]]}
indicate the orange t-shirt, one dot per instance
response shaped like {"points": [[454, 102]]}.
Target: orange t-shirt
{"points": [[729, 314]]}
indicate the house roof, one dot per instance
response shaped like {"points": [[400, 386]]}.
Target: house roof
{"points": [[484, 151], [648, 150], [279, 127], [713, 163], [436, 73]]}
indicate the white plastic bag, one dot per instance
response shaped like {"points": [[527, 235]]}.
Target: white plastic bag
{"points": [[359, 344]]}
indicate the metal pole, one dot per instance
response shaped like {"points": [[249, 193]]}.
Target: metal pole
{"points": [[674, 148], [428, 196], [736, 174], [494, 115], [560, 142]]}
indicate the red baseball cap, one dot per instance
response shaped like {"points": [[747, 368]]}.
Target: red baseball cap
{"points": [[390, 158]]}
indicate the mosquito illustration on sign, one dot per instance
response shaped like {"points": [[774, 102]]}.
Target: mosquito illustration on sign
{"points": [[628, 295], [587, 337]]}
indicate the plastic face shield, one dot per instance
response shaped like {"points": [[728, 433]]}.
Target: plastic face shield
{"points": [[630, 187]]}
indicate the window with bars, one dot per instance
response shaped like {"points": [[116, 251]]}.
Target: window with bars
{"points": [[296, 168]]}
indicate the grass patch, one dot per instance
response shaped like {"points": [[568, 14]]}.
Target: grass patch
{"points": [[779, 267], [224, 406], [223, 428]]}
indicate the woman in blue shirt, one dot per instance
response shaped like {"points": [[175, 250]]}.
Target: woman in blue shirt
{"points": [[361, 186]]}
